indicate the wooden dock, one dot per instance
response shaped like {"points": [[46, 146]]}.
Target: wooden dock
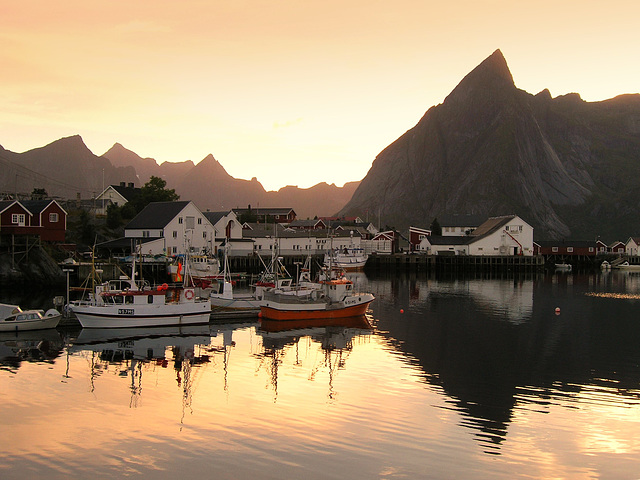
{"points": [[453, 263]]}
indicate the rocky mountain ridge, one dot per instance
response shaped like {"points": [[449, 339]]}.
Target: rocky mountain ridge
{"points": [[568, 167], [67, 168]]}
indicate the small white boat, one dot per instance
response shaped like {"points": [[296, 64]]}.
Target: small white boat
{"points": [[14, 319], [348, 258], [605, 265]]}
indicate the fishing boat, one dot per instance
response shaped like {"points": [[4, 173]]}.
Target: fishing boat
{"points": [[126, 303], [333, 297], [14, 319], [348, 258]]}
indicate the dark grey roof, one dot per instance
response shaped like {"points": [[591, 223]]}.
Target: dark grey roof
{"points": [[35, 206], [264, 211], [262, 230], [214, 217], [306, 223], [129, 193], [157, 215], [4, 204], [449, 240], [491, 225]]}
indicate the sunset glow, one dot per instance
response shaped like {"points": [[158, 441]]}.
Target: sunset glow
{"points": [[288, 92]]}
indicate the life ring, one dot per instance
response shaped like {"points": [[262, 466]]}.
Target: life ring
{"points": [[188, 294], [163, 287]]}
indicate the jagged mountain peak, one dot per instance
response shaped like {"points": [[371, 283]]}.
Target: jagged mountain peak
{"points": [[491, 75]]}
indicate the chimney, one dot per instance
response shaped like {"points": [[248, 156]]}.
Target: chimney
{"points": [[122, 184], [130, 185]]}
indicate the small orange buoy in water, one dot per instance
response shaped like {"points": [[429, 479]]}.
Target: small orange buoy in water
{"points": [[401, 310], [259, 314], [557, 310]]}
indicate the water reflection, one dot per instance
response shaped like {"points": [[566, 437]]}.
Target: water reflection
{"points": [[448, 378], [39, 346], [335, 337], [455, 331]]}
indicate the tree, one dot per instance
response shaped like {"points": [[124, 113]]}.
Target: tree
{"points": [[114, 216], [435, 227], [38, 194], [154, 191]]}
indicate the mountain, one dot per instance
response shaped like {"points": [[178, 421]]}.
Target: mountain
{"points": [[568, 167], [67, 168]]}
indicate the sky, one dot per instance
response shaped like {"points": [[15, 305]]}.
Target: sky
{"points": [[292, 92]]}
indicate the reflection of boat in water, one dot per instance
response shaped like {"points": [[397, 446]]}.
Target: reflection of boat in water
{"points": [[14, 319], [89, 336], [30, 346], [563, 267], [273, 326]]}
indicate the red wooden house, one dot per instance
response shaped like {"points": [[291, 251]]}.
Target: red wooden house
{"points": [[43, 218], [416, 235]]}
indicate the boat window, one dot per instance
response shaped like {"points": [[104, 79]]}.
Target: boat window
{"points": [[10, 319], [118, 299], [21, 317], [349, 287], [149, 298], [128, 299]]}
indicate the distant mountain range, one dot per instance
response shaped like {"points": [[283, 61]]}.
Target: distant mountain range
{"points": [[67, 168], [568, 167]]}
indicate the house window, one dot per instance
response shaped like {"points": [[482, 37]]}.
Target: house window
{"points": [[180, 220], [422, 237], [554, 249], [199, 221], [191, 223], [569, 249], [18, 218], [175, 234], [590, 249], [145, 234], [175, 250], [204, 234], [53, 217]]}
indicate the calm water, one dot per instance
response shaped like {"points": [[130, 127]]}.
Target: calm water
{"points": [[457, 378]]}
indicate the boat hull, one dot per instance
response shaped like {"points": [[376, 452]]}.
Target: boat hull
{"points": [[92, 316], [24, 325], [276, 311]]}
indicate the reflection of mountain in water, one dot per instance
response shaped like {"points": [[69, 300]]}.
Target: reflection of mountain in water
{"points": [[40, 346], [335, 336], [490, 367]]}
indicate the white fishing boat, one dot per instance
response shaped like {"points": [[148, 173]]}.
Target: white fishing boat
{"points": [[348, 258], [14, 319], [128, 303]]}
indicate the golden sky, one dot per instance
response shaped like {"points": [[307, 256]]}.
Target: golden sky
{"points": [[292, 92]]}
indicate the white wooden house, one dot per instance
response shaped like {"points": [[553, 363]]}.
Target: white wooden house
{"points": [[116, 195], [507, 235], [632, 246], [172, 228]]}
